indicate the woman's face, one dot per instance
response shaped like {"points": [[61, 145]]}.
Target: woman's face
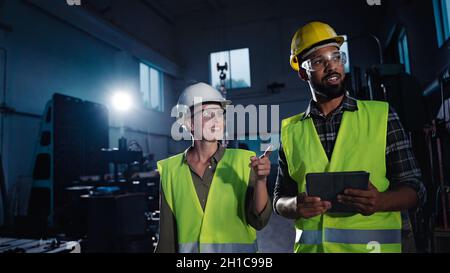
{"points": [[211, 118]]}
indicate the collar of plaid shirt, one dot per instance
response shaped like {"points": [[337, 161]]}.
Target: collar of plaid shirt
{"points": [[347, 104]]}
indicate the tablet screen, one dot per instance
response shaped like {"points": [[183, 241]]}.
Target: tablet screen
{"points": [[328, 186]]}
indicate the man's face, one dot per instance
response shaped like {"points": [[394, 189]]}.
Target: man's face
{"points": [[327, 81], [211, 118]]}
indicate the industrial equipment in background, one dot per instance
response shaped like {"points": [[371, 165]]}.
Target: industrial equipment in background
{"points": [[223, 77], [71, 136], [82, 191], [389, 82], [15, 246], [424, 114], [275, 87], [437, 137], [223, 89]]}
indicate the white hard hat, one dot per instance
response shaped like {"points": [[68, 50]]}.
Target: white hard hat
{"points": [[203, 91]]}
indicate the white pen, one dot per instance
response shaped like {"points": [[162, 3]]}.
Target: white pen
{"points": [[268, 150]]}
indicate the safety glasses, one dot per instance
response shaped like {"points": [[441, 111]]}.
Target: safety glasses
{"points": [[321, 62], [208, 114]]}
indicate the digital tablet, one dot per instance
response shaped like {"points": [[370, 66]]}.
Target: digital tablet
{"points": [[328, 186]]}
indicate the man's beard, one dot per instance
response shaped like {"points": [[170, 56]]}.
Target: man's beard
{"points": [[329, 92]]}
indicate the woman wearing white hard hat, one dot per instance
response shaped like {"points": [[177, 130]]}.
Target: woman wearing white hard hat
{"points": [[213, 199]]}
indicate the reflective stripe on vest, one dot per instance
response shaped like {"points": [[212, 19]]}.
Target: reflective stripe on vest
{"points": [[350, 236], [188, 248], [218, 248]]}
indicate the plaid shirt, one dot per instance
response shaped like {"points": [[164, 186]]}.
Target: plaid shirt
{"points": [[401, 165]]}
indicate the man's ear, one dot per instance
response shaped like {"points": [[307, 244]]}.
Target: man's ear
{"points": [[303, 75]]}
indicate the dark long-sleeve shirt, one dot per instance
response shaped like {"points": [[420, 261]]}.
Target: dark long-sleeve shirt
{"points": [[168, 229], [401, 165]]}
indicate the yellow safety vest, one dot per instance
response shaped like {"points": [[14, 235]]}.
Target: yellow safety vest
{"points": [[222, 227], [360, 146]]}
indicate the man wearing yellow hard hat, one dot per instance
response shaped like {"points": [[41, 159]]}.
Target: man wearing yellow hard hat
{"points": [[338, 133]]}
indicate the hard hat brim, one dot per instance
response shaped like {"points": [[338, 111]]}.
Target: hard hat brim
{"points": [[339, 40], [183, 108], [223, 102]]}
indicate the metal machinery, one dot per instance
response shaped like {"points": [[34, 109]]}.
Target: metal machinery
{"points": [[107, 199], [418, 110], [437, 136], [13, 245]]}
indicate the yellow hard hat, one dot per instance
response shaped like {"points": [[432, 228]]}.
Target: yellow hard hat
{"points": [[309, 35]]}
